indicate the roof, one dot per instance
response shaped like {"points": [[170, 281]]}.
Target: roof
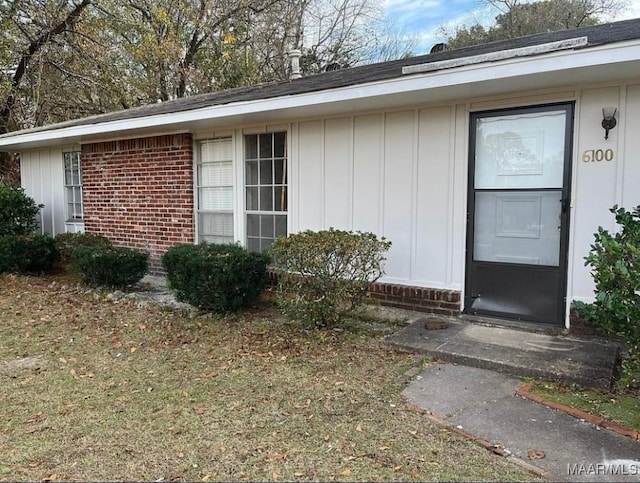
{"points": [[595, 36]]}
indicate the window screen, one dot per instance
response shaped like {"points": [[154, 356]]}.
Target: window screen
{"points": [[73, 186], [215, 191]]}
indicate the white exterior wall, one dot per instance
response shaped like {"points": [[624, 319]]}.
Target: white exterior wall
{"points": [[403, 175], [599, 185], [390, 173], [42, 177]]}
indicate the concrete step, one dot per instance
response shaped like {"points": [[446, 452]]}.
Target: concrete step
{"points": [[586, 361]]}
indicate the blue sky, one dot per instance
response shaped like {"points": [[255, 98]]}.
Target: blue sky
{"points": [[424, 17]]}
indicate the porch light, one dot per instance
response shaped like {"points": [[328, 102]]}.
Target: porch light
{"points": [[608, 119]]}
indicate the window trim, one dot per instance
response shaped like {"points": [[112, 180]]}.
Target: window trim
{"points": [[71, 201], [198, 162], [286, 190]]}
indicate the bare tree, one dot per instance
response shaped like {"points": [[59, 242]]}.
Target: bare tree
{"points": [[29, 27], [180, 48], [330, 34], [29, 34], [63, 59]]}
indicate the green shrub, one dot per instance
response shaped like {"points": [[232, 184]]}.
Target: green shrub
{"points": [[213, 277], [323, 276], [615, 267], [67, 243], [17, 212], [27, 253], [111, 266]]}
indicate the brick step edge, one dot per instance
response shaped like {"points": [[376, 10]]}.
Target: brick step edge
{"points": [[492, 448], [525, 391]]}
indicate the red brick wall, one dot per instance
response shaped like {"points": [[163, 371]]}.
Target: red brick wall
{"points": [[420, 299], [139, 192], [407, 297]]}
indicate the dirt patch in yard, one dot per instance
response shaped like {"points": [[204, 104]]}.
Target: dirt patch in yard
{"points": [[133, 391], [23, 363]]}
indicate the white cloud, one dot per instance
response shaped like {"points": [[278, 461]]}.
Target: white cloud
{"points": [[424, 18], [409, 4], [633, 11], [412, 12]]}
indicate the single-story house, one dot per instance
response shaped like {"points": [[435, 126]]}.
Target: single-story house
{"points": [[489, 168]]}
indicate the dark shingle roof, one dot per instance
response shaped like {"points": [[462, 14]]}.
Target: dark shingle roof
{"points": [[597, 35]]}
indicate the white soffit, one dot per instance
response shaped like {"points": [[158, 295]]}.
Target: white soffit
{"points": [[495, 56]]}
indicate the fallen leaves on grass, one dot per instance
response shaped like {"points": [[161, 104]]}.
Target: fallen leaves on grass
{"points": [[139, 393]]}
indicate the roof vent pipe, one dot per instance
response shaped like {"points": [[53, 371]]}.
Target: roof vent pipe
{"points": [[294, 58]]}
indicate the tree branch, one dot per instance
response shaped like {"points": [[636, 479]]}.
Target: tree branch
{"points": [[32, 49]]}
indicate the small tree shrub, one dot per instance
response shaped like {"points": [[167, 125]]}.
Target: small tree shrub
{"points": [[27, 253], [67, 243], [324, 275], [111, 266], [17, 212], [219, 278], [615, 263]]}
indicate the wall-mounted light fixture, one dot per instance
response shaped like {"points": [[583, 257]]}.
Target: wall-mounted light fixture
{"points": [[608, 119]]}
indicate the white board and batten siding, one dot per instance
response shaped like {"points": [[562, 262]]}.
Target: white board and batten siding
{"points": [[403, 175], [42, 177], [388, 173], [611, 177]]}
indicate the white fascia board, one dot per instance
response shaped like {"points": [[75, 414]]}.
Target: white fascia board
{"points": [[475, 73], [496, 56]]}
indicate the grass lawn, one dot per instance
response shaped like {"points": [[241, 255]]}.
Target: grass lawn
{"points": [[622, 408], [140, 393]]}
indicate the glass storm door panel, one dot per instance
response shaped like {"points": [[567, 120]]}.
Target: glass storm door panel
{"points": [[518, 218]]}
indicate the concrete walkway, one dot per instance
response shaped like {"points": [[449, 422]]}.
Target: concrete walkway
{"points": [[484, 403], [475, 393]]}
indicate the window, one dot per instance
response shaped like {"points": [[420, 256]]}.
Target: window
{"points": [[214, 180], [266, 188], [73, 186]]}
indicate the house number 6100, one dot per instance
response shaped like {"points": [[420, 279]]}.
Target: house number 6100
{"points": [[592, 155]]}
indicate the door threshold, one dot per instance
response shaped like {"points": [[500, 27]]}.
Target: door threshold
{"points": [[537, 327]]}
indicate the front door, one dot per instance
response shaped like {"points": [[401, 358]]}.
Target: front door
{"points": [[518, 216]]}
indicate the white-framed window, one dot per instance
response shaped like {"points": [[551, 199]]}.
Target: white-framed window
{"points": [[214, 187], [265, 188], [73, 186]]}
